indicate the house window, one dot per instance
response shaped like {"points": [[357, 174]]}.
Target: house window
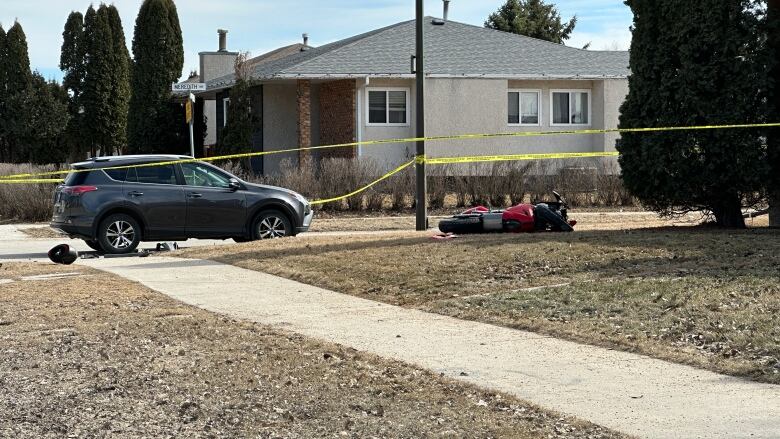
{"points": [[388, 107], [225, 107], [570, 107], [524, 107]]}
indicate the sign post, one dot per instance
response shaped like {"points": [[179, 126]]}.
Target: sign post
{"points": [[189, 87], [190, 107]]}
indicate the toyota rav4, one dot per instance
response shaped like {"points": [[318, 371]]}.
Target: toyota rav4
{"points": [[114, 203]]}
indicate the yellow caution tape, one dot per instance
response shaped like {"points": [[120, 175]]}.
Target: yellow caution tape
{"points": [[366, 187], [31, 181], [517, 157], [411, 139]]}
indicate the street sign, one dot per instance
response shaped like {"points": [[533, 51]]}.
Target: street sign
{"points": [[188, 110], [189, 86]]}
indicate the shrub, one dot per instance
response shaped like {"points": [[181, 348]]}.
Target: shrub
{"points": [[583, 183], [26, 202], [401, 189]]}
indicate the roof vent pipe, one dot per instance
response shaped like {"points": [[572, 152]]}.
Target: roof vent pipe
{"points": [[222, 40], [446, 9]]}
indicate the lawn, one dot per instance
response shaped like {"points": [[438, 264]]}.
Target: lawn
{"points": [[93, 355], [705, 297]]}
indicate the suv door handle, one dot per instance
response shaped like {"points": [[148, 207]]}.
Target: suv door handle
{"points": [[135, 194], [195, 195]]}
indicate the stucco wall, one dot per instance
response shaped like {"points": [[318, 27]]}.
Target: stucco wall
{"points": [[210, 111], [461, 106], [615, 92], [280, 123], [464, 106], [214, 65], [389, 155]]}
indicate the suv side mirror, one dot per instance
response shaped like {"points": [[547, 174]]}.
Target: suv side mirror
{"points": [[234, 184]]}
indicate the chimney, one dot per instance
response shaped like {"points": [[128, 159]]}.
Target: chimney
{"points": [[305, 39], [222, 40], [446, 10]]}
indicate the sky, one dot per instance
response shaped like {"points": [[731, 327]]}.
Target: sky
{"points": [[258, 26]]}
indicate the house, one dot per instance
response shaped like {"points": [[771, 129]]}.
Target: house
{"points": [[478, 81]]}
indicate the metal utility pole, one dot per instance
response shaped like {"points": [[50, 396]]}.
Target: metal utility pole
{"points": [[421, 192]]}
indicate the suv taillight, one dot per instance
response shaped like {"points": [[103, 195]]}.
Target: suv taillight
{"points": [[78, 190]]}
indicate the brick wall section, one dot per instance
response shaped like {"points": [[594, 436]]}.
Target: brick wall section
{"points": [[304, 117], [337, 117]]}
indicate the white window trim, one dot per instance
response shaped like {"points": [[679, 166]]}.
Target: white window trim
{"points": [[225, 111], [539, 98], [387, 107], [571, 102]]}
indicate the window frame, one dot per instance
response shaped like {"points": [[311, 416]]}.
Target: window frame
{"points": [[213, 169], [134, 168], [225, 105], [571, 102], [520, 92], [408, 93]]}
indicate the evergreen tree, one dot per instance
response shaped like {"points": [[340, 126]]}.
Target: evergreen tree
{"points": [[120, 82], [72, 63], [3, 96], [532, 18], [98, 84], [18, 80], [18, 75], [44, 113], [158, 59], [236, 136], [773, 55], [693, 63]]}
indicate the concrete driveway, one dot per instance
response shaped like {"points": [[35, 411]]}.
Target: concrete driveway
{"points": [[15, 245]]}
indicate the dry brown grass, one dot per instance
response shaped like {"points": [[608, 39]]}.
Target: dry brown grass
{"points": [[26, 202], [704, 297], [42, 232], [99, 356]]}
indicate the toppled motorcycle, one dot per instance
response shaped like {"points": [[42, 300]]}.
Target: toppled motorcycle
{"points": [[523, 218]]}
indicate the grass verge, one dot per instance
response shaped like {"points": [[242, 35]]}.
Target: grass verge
{"points": [[704, 297], [94, 355]]}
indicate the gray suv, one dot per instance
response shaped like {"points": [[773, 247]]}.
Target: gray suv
{"points": [[113, 210]]}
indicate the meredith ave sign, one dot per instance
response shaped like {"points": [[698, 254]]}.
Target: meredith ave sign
{"points": [[189, 86]]}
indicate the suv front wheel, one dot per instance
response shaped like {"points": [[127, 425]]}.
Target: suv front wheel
{"points": [[119, 234], [272, 224]]}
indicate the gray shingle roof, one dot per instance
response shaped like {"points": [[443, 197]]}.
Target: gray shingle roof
{"points": [[454, 49], [276, 54]]}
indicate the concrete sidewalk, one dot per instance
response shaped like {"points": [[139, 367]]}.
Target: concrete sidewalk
{"points": [[630, 393]]}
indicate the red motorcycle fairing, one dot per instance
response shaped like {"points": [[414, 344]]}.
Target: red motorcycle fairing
{"points": [[516, 219], [519, 219], [478, 209]]}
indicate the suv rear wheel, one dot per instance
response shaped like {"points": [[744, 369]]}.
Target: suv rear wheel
{"points": [[119, 234], [271, 224]]}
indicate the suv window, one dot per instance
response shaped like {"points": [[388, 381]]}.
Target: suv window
{"points": [[76, 177], [152, 174], [196, 174], [116, 174]]}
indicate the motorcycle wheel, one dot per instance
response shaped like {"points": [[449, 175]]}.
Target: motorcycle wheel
{"points": [[462, 226]]}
